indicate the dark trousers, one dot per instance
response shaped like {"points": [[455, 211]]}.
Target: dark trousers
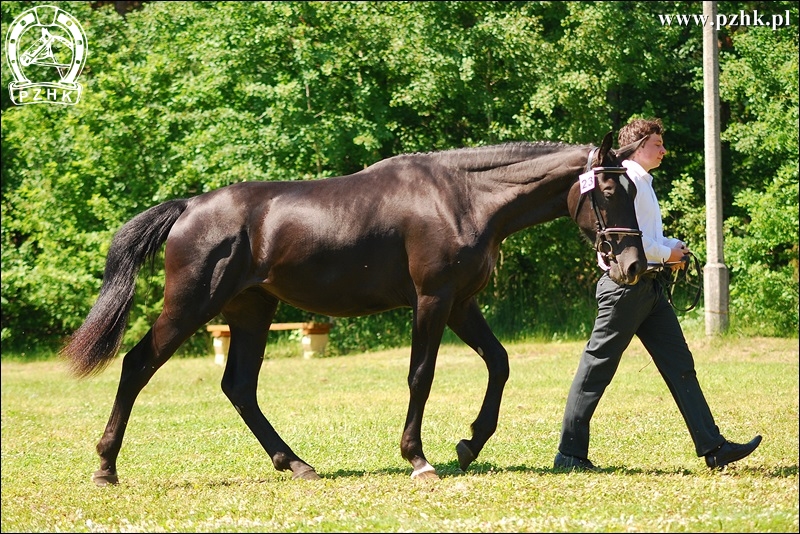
{"points": [[625, 311]]}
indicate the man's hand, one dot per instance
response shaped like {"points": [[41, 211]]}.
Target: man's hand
{"points": [[677, 256]]}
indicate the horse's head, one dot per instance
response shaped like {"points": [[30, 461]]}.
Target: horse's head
{"points": [[602, 205]]}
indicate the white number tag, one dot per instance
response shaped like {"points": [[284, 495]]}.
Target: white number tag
{"points": [[587, 181]]}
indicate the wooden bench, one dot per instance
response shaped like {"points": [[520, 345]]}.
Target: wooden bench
{"points": [[314, 340]]}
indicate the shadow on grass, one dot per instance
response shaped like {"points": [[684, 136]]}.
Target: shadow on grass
{"points": [[452, 469], [764, 471]]}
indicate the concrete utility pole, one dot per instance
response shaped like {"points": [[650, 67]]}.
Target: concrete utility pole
{"points": [[715, 273]]}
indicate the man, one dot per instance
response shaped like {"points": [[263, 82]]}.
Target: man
{"points": [[642, 310]]}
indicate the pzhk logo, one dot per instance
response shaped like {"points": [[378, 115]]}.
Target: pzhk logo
{"points": [[47, 45]]}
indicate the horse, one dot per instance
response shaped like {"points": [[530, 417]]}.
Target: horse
{"points": [[419, 230]]}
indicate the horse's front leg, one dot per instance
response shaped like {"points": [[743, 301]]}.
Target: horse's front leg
{"points": [[467, 321], [430, 317]]}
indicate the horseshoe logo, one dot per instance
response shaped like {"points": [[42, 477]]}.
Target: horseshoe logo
{"points": [[45, 44]]}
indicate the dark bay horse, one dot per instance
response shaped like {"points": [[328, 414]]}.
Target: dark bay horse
{"points": [[417, 230]]}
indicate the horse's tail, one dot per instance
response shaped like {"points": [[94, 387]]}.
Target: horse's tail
{"points": [[97, 341]]}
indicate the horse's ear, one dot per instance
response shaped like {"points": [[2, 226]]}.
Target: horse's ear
{"points": [[608, 140], [624, 152], [605, 147]]}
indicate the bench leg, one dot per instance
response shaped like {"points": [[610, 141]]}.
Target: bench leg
{"points": [[221, 346], [314, 344]]}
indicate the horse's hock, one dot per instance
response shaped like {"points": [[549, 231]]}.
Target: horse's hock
{"points": [[314, 340]]}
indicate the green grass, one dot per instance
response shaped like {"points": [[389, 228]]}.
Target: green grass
{"points": [[188, 462]]}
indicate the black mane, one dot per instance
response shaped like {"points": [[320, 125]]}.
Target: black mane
{"points": [[493, 156]]}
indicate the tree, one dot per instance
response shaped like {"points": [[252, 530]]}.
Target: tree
{"points": [[182, 98], [763, 133]]}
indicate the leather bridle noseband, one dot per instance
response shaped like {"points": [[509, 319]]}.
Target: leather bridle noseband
{"points": [[602, 244]]}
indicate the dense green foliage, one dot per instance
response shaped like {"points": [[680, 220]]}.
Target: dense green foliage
{"points": [[181, 98]]}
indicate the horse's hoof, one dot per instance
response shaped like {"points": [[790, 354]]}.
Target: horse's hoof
{"points": [[427, 475], [105, 478], [465, 455], [427, 472], [306, 474]]}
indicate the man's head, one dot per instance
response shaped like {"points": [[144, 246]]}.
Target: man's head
{"points": [[649, 154]]}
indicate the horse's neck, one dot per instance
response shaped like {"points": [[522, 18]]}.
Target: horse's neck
{"points": [[529, 192]]}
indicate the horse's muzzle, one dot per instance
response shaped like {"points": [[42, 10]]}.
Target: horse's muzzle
{"points": [[626, 272]]}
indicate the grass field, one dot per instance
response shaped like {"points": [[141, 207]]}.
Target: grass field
{"points": [[188, 462]]}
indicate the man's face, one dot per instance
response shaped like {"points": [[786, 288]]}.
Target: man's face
{"points": [[649, 155]]}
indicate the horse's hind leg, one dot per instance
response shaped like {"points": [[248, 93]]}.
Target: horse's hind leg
{"points": [[138, 367], [249, 315], [469, 324]]}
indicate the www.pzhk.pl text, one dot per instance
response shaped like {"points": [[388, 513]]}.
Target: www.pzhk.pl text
{"points": [[753, 18]]}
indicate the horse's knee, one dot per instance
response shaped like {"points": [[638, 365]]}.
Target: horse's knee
{"points": [[240, 395], [228, 388]]}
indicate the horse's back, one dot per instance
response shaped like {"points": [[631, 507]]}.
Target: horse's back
{"points": [[385, 196]]}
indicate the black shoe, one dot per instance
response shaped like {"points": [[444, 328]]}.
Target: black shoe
{"points": [[563, 461], [730, 452]]}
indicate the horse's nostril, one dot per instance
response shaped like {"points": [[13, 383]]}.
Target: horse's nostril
{"points": [[634, 270]]}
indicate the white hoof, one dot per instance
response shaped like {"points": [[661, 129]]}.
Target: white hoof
{"points": [[427, 468]]}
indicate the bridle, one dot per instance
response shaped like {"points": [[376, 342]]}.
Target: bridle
{"points": [[602, 244]]}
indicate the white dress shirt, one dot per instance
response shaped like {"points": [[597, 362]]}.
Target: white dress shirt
{"points": [[657, 248]]}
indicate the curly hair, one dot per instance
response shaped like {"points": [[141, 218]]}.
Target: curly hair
{"points": [[638, 128]]}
